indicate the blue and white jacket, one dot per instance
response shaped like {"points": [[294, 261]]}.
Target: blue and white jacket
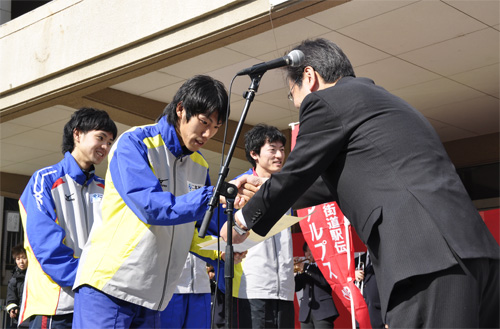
{"points": [[267, 270], [58, 208], [155, 192]]}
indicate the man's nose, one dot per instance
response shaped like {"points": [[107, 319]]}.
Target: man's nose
{"points": [[209, 133]]}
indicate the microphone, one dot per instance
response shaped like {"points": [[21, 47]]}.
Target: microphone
{"points": [[294, 58]]}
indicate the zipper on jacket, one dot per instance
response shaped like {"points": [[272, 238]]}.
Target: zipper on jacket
{"points": [[82, 192], [276, 257], [192, 263], [171, 240]]}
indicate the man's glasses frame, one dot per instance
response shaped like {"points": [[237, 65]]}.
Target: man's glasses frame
{"points": [[290, 96]]}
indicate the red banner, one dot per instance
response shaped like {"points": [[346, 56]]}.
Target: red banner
{"points": [[328, 235], [492, 219]]}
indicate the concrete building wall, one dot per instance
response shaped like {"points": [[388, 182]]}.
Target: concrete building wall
{"points": [[67, 60]]}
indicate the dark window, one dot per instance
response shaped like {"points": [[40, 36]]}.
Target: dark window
{"points": [[12, 235], [481, 182], [21, 7]]}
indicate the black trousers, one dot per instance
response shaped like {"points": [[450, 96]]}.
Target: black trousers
{"points": [[463, 296], [263, 313], [313, 323], [372, 299]]}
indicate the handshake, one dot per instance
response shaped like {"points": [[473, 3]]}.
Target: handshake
{"points": [[247, 186]]}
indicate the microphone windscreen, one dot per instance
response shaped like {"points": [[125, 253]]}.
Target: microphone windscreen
{"points": [[296, 57]]}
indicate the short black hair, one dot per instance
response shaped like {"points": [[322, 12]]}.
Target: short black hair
{"points": [[325, 57], [304, 247], [257, 137], [200, 94], [84, 120], [18, 250]]}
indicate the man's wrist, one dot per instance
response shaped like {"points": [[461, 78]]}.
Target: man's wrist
{"points": [[240, 220], [239, 229]]}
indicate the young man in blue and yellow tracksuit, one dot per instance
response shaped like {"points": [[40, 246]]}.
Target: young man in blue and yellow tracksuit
{"points": [[157, 186], [58, 208]]}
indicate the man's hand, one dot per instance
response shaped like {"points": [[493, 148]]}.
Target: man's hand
{"points": [[237, 256], [237, 238], [247, 186], [13, 313], [360, 275]]}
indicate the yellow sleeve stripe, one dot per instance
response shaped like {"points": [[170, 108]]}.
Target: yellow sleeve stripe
{"points": [[238, 273], [154, 142], [211, 254], [199, 159]]}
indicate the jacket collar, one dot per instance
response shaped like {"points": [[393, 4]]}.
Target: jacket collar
{"points": [[169, 136], [75, 172]]}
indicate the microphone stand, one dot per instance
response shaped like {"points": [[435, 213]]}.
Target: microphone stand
{"points": [[230, 192]]}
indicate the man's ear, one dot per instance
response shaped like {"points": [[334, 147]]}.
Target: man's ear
{"points": [[179, 108], [310, 80], [254, 155], [76, 135]]}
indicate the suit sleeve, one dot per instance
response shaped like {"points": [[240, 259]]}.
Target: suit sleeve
{"points": [[321, 138], [311, 275], [44, 235], [317, 194], [138, 186], [315, 274], [13, 300], [300, 281]]}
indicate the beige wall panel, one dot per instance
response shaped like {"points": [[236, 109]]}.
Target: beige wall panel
{"points": [[78, 33], [99, 55], [62, 57]]}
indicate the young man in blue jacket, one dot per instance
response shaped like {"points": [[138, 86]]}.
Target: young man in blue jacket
{"points": [[157, 186], [58, 208]]}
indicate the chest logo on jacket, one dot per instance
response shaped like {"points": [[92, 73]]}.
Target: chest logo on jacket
{"points": [[69, 197], [193, 186], [95, 197]]}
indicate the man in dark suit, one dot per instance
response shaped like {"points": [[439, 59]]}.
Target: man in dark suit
{"points": [[317, 309], [380, 159]]}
